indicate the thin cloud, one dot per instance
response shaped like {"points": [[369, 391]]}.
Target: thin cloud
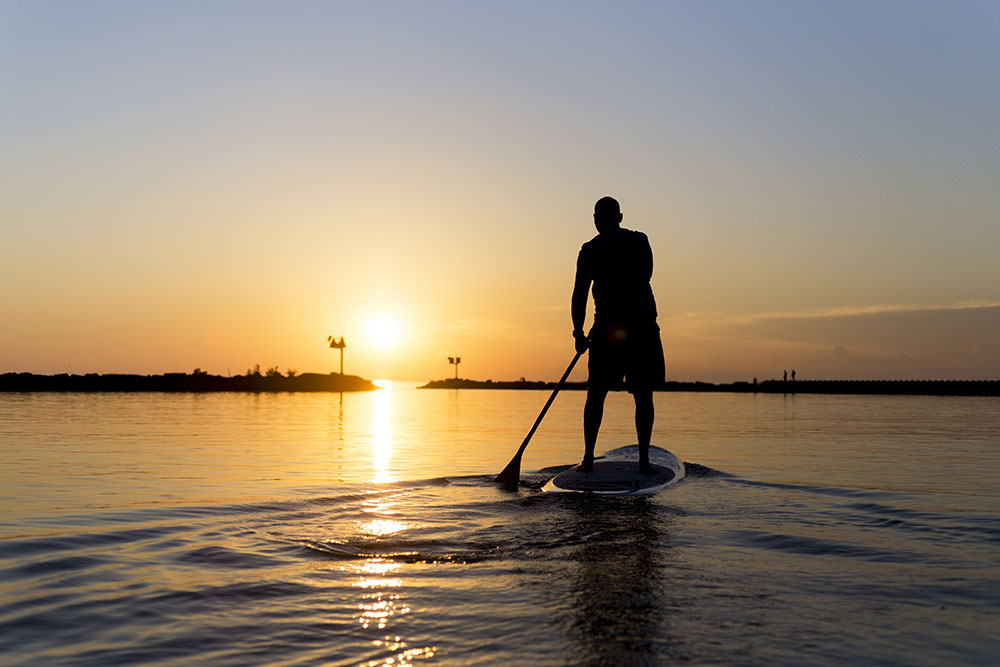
{"points": [[937, 330], [721, 318], [877, 309]]}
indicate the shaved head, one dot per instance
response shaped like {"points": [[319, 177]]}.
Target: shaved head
{"points": [[607, 207], [607, 214]]}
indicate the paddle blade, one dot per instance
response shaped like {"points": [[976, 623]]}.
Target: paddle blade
{"points": [[511, 475]]}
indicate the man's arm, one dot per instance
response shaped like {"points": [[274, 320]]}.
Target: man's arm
{"points": [[578, 304], [648, 258]]}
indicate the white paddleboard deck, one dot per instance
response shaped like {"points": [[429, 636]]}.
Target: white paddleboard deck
{"points": [[616, 472]]}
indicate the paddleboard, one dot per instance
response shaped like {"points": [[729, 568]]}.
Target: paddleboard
{"points": [[616, 473]]}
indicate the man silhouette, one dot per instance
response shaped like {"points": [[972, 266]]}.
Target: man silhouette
{"points": [[625, 338]]}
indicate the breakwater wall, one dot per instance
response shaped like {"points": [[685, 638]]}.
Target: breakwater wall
{"points": [[887, 387], [183, 382]]}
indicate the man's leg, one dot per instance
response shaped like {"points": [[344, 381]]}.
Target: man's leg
{"points": [[644, 415], [593, 413]]}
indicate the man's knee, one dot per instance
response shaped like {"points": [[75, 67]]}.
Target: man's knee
{"points": [[596, 396], [643, 400]]}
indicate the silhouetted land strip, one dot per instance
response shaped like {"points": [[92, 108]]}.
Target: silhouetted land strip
{"points": [[452, 383], [181, 382], [896, 387]]}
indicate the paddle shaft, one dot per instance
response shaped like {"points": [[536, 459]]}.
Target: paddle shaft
{"points": [[510, 475]]}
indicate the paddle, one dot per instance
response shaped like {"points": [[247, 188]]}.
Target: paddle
{"points": [[510, 475]]}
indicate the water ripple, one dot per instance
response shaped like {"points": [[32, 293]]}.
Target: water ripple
{"points": [[815, 546]]}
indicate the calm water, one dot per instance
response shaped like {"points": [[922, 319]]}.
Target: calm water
{"points": [[363, 530]]}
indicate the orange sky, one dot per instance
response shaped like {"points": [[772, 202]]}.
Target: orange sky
{"points": [[184, 187]]}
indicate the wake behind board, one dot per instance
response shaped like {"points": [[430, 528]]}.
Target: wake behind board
{"points": [[616, 473]]}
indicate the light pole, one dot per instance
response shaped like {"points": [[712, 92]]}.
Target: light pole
{"points": [[338, 345], [456, 361]]}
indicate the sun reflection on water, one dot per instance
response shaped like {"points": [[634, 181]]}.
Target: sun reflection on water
{"points": [[379, 575], [382, 527], [382, 431], [380, 602]]}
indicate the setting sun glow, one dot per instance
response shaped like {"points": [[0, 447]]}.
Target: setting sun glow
{"points": [[383, 332]]}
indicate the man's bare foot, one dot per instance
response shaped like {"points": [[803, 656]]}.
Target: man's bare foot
{"points": [[647, 469], [587, 465]]}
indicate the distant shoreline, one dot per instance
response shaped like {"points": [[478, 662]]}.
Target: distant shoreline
{"points": [[885, 387], [182, 382], [335, 382]]}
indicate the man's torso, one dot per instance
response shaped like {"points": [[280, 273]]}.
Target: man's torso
{"points": [[620, 264]]}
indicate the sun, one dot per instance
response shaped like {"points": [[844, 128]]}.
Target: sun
{"points": [[383, 331]]}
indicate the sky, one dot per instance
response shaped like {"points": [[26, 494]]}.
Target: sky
{"points": [[222, 184]]}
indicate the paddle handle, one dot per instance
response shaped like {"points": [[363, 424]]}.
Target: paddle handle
{"points": [[509, 476], [548, 403]]}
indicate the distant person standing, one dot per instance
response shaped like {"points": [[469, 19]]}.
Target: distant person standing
{"points": [[785, 379], [793, 375], [625, 338]]}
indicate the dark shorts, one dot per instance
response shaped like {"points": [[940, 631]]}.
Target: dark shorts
{"points": [[630, 351]]}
